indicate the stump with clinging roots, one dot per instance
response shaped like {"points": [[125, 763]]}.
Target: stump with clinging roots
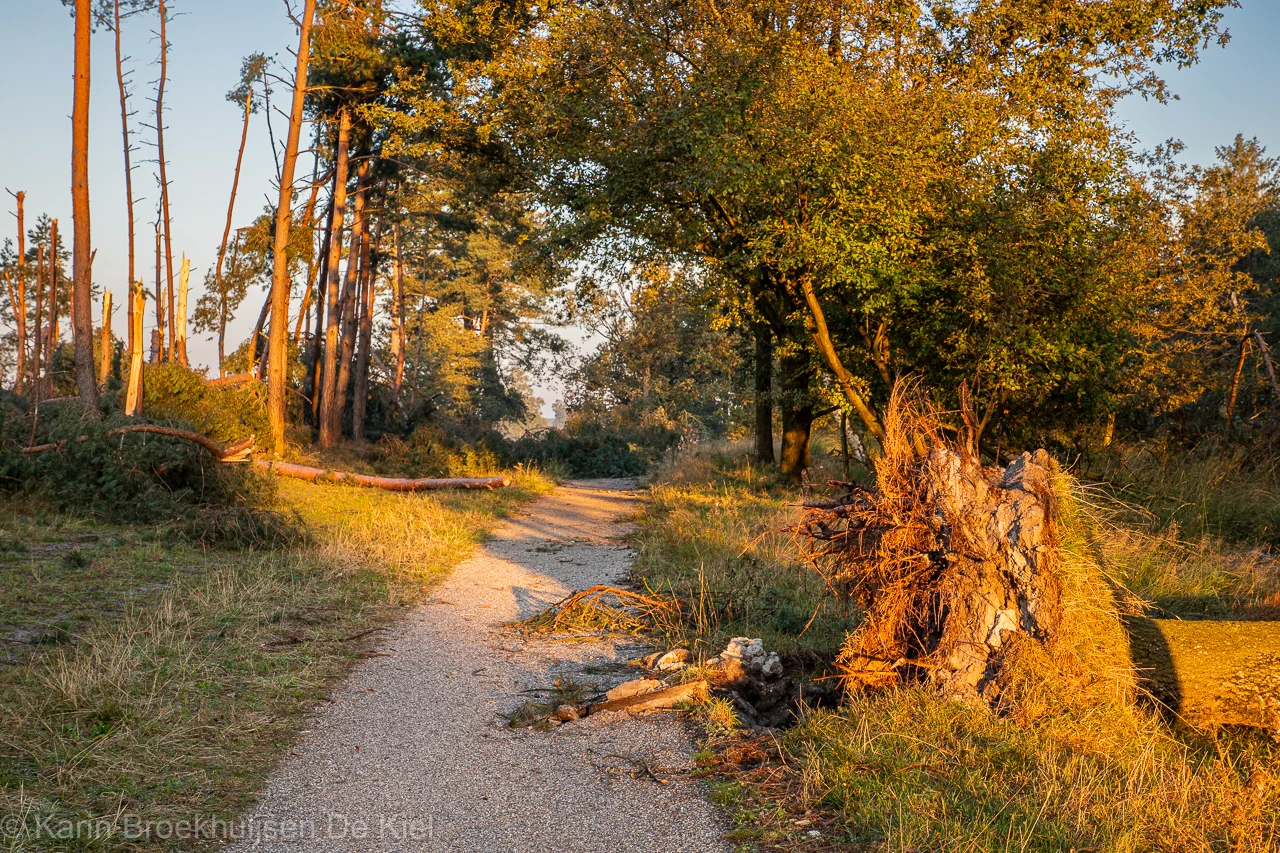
{"points": [[953, 561]]}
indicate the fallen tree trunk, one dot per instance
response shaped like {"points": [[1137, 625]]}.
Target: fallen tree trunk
{"points": [[394, 484]]}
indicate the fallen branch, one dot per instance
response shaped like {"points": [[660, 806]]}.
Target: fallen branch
{"points": [[237, 451], [394, 484]]}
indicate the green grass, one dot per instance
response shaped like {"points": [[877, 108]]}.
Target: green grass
{"points": [[169, 678], [1077, 765]]}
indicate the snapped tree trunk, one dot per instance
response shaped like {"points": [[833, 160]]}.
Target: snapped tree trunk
{"points": [[137, 311], [180, 322], [764, 392], [278, 373], [226, 228], [82, 243], [104, 366], [38, 340], [796, 404], [330, 426]]}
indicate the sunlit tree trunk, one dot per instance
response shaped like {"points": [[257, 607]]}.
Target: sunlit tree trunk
{"points": [[279, 344], [157, 334], [180, 314], [82, 289], [312, 266], [398, 331], [137, 310], [327, 379], [104, 365], [164, 179]]}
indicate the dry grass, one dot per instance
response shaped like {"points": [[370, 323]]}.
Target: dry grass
{"points": [[174, 701]]}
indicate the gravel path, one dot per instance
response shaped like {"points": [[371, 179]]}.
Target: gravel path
{"points": [[413, 752]]}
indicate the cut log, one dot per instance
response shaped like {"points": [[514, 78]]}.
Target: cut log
{"points": [[654, 700], [394, 484]]}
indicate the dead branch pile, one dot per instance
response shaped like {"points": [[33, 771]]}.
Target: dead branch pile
{"points": [[606, 609], [951, 560]]}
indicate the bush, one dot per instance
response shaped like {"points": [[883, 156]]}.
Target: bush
{"points": [[132, 477]]}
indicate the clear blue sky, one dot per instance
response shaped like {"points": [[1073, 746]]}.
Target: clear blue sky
{"points": [[1229, 92]]}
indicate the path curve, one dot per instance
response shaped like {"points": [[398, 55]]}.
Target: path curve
{"points": [[412, 753]]}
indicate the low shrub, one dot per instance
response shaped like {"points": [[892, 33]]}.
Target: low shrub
{"points": [[224, 413]]}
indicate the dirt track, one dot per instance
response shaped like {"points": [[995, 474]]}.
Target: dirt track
{"points": [[413, 752]]}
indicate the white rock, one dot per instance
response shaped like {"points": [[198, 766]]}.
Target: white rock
{"points": [[772, 666]]}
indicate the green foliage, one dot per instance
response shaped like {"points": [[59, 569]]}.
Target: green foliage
{"points": [[224, 413]]}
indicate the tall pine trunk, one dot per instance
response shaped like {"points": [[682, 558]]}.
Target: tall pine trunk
{"points": [[82, 290], [226, 230], [317, 328], [327, 378], [398, 330], [347, 347], [55, 331], [20, 296], [128, 165], [360, 401], [157, 334], [38, 340], [278, 373], [164, 178]]}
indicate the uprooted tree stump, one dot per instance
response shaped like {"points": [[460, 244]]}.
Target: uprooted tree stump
{"points": [[951, 560]]}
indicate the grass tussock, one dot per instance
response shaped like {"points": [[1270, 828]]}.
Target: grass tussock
{"points": [[167, 679], [1069, 760]]}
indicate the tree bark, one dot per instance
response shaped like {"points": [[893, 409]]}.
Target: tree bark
{"points": [[278, 373], [1235, 380], [164, 179], [797, 416], [312, 266], [82, 292], [317, 328], [395, 484], [764, 392], [330, 426]]}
